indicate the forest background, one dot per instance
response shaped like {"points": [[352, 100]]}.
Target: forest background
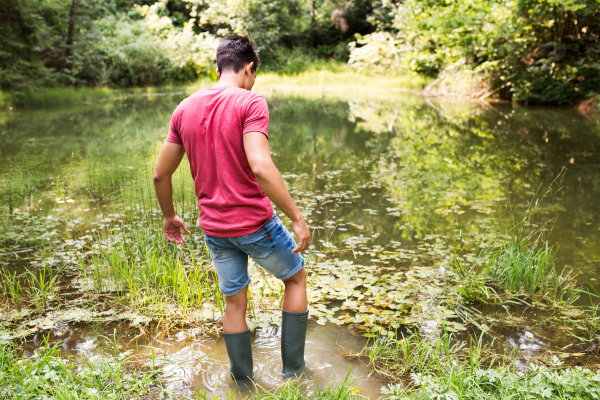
{"points": [[532, 51]]}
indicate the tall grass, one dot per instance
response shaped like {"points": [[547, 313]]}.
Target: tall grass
{"points": [[152, 271], [10, 285], [519, 267], [42, 285], [397, 358], [39, 286]]}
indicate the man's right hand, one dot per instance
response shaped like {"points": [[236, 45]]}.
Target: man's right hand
{"points": [[303, 235], [172, 227]]}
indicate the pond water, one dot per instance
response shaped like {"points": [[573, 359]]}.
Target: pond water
{"points": [[388, 181]]}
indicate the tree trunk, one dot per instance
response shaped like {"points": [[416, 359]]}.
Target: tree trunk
{"points": [[71, 32], [313, 13]]}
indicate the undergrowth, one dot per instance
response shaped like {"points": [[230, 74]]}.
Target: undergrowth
{"points": [[446, 369], [47, 375], [520, 268]]}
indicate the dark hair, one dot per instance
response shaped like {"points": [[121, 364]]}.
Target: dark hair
{"points": [[234, 52]]}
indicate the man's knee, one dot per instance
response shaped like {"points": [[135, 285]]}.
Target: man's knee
{"points": [[298, 279]]}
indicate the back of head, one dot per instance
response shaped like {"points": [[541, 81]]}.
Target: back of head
{"points": [[234, 52]]}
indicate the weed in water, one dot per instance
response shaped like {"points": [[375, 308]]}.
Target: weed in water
{"points": [[520, 267], [11, 287], [42, 285], [293, 390], [589, 326]]}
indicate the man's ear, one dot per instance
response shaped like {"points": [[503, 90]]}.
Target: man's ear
{"points": [[249, 67], [218, 73]]}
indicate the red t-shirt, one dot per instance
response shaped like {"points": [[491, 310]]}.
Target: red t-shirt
{"points": [[210, 125]]}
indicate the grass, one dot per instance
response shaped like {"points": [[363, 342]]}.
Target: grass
{"points": [[152, 271], [39, 286], [143, 269], [69, 95], [342, 78], [321, 73], [441, 370], [293, 390], [540, 382], [12, 291], [46, 374], [43, 283], [518, 268], [398, 358], [445, 369]]}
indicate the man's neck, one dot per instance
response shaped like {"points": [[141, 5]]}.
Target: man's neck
{"points": [[231, 78]]}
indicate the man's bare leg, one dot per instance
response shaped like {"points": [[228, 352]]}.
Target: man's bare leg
{"points": [[294, 299], [234, 320]]}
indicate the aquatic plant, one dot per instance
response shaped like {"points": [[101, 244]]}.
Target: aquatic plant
{"points": [[152, 271], [292, 389], [444, 368], [398, 357], [42, 284], [11, 287], [519, 267], [588, 327], [46, 374]]}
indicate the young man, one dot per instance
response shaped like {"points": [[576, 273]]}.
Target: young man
{"points": [[224, 131]]}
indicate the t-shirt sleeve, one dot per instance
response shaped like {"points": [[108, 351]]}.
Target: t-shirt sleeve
{"points": [[174, 136], [256, 116]]}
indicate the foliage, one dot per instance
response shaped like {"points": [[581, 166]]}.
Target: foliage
{"points": [[135, 42], [114, 48], [293, 390], [537, 51], [445, 368], [376, 53], [531, 51], [539, 382], [47, 375]]}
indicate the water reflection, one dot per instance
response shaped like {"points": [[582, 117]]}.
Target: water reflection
{"points": [[382, 179], [325, 361]]}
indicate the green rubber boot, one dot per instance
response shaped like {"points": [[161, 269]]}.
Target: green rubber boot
{"points": [[293, 337], [239, 351]]}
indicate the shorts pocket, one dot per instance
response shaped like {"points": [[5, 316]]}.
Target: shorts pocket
{"points": [[259, 244], [213, 248]]}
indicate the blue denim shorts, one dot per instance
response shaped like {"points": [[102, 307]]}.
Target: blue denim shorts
{"points": [[270, 247]]}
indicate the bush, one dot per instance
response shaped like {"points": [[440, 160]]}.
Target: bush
{"points": [[547, 50]]}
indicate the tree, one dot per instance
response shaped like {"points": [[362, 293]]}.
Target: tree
{"points": [[71, 32]]}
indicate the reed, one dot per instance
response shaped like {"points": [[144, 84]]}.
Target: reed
{"points": [[152, 271], [42, 285], [12, 291], [519, 267], [292, 389]]}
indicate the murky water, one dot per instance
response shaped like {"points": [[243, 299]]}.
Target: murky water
{"points": [[383, 178], [194, 361]]}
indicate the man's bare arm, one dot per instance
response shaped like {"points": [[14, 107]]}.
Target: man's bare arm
{"points": [[168, 161], [268, 177]]}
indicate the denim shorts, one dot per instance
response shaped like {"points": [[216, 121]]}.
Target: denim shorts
{"points": [[270, 247]]}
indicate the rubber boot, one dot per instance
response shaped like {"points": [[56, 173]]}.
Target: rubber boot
{"points": [[293, 337], [239, 351]]}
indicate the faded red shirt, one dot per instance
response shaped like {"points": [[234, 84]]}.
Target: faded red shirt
{"points": [[210, 124]]}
